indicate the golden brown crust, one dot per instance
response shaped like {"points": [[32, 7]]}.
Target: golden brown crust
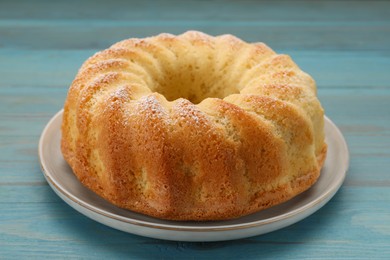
{"points": [[254, 140]]}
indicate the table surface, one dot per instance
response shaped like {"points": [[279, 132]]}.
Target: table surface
{"points": [[344, 45]]}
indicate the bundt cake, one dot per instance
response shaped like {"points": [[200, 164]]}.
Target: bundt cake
{"points": [[193, 127]]}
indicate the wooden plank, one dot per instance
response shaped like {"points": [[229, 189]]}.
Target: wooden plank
{"points": [[98, 35], [27, 192], [334, 231], [57, 68], [342, 106], [35, 102], [15, 125], [19, 149], [366, 152], [340, 103], [344, 45], [23, 173], [217, 10], [367, 132], [35, 189], [297, 25]]}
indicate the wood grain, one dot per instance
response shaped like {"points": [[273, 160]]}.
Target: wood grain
{"points": [[344, 45], [57, 68]]}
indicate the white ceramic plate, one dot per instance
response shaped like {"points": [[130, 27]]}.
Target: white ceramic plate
{"points": [[62, 180]]}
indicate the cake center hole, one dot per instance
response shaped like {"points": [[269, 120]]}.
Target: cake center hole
{"points": [[195, 83]]}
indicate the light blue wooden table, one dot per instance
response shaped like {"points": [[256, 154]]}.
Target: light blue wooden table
{"points": [[344, 45]]}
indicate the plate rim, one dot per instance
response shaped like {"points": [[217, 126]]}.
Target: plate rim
{"points": [[324, 197]]}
